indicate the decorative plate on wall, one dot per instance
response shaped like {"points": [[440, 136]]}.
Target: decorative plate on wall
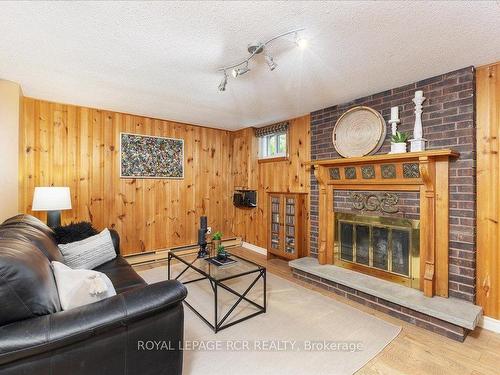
{"points": [[359, 131]]}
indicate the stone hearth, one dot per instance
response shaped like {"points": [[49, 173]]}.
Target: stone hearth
{"points": [[450, 317]]}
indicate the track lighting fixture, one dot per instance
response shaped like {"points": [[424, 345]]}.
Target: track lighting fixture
{"points": [[270, 62], [255, 49], [223, 83]]}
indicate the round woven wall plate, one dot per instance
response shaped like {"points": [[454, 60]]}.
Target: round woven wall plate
{"points": [[359, 131]]}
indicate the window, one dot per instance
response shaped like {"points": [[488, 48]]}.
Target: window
{"points": [[273, 145]]}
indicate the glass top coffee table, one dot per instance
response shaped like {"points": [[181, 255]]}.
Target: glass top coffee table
{"points": [[191, 269]]}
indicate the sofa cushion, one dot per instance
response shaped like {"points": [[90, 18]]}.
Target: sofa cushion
{"points": [[89, 252], [38, 238], [31, 221], [121, 274], [74, 232], [27, 284], [81, 287], [118, 262]]}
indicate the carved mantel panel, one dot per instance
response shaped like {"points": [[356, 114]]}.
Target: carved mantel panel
{"points": [[426, 172]]}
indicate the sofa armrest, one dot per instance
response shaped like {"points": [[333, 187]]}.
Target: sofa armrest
{"points": [[115, 237], [45, 333]]}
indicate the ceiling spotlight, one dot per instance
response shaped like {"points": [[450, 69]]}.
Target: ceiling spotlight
{"points": [[270, 62], [301, 42], [240, 71], [223, 82]]}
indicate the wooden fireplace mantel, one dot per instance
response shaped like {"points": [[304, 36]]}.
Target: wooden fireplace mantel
{"points": [[426, 172]]}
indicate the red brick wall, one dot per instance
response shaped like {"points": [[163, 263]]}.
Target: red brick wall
{"points": [[449, 122]]}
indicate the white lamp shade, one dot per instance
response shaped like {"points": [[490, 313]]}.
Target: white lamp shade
{"points": [[51, 199]]}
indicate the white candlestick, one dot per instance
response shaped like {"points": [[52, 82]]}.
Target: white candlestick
{"points": [[418, 143], [395, 113]]}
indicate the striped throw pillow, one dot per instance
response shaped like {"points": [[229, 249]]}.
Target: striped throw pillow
{"points": [[90, 252]]}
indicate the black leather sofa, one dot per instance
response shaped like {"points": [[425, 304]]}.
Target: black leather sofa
{"points": [[112, 336]]}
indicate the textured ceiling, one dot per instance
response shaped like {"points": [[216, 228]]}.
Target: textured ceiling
{"points": [[159, 59]]}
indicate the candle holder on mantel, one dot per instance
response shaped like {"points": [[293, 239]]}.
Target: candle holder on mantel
{"points": [[418, 143], [394, 121]]}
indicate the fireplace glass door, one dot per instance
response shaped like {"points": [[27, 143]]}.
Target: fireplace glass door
{"points": [[380, 246]]}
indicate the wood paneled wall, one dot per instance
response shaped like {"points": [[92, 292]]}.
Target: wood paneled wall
{"points": [[488, 193], [245, 170], [66, 145], [279, 176]]}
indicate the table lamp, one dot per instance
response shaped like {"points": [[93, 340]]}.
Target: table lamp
{"points": [[53, 200]]}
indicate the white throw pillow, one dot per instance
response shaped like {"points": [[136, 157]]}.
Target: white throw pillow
{"points": [[81, 287], [90, 252]]}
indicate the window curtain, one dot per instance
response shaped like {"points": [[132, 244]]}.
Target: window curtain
{"points": [[280, 127]]}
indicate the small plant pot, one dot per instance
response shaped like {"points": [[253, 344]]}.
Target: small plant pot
{"points": [[215, 245], [222, 256], [398, 148]]}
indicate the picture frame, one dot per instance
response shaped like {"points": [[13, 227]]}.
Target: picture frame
{"points": [[150, 156]]}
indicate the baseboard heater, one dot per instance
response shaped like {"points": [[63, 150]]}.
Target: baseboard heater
{"points": [[162, 254]]}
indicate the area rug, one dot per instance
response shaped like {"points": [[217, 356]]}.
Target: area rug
{"points": [[302, 332]]}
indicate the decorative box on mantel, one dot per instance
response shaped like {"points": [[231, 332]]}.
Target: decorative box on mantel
{"points": [[424, 172]]}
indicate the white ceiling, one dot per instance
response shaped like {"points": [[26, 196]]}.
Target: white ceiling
{"points": [[160, 58]]}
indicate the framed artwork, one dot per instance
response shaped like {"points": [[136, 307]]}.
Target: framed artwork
{"points": [[146, 156]]}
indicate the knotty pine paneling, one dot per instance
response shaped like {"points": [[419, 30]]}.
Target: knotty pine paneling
{"points": [[488, 179], [279, 176], [244, 159], [66, 145]]}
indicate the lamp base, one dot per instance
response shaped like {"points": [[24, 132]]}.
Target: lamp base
{"points": [[54, 218], [203, 252]]}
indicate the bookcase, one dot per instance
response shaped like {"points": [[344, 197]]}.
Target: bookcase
{"points": [[287, 228]]}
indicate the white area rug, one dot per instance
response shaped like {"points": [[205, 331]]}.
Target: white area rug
{"points": [[297, 334]]}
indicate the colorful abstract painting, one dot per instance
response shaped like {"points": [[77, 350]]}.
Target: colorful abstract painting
{"points": [[145, 156]]}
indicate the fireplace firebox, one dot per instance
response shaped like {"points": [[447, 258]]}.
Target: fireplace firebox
{"points": [[384, 247]]}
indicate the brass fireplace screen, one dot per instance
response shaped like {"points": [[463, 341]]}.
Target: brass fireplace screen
{"points": [[379, 246]]}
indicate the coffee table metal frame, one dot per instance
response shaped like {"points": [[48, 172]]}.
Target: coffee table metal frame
{"points": [[215, 283]]}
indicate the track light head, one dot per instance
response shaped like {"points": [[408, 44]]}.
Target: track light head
{"points": [[270, 62], [243, 70], [301, 42], [240, 71], [223, 82]]}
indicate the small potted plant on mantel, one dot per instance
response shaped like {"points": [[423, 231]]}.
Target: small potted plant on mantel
{"points": [[398, 142]]}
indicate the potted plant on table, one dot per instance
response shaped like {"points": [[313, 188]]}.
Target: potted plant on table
{"points": [[222, 254], [398, 142], [216, 240]]}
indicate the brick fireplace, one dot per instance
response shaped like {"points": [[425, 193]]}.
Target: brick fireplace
{"points": [[387, 175], [448, 122]]}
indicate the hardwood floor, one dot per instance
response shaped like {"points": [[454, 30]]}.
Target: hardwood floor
{"points": [[415, 350]]}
